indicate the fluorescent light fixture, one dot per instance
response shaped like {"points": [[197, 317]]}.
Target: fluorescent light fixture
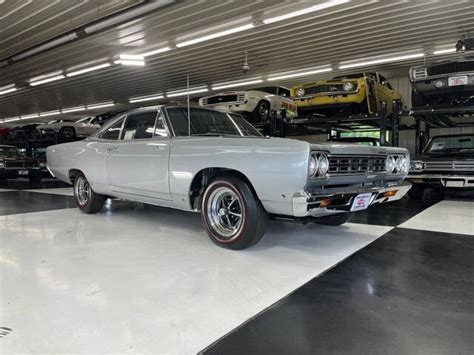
{"points": [[130, 62], [100, 105], [11, 119], [195, 90], [233, 84], [215, 35], [33, 115], [356, 64], [131, 56], [444, 51], [7, 89], [156, 51], [86, 70], [49, 113], [146, 98], [73, 109], [47, 80], [299, 73], [131, 59], [305, 11]]}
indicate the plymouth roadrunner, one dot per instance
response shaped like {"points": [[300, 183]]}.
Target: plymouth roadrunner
{"points": [[217, 164]]}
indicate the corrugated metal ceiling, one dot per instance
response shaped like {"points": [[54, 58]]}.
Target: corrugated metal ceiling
{"points": [[348, 31]]}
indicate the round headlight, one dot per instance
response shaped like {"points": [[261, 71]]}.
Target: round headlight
{"points": [[348, 86], [399, 164], [323, 165], [300, 92], [390, 164], [439, 83], [312, 166]]}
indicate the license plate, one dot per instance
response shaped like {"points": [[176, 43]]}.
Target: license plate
{"points": [[454, 183], [22, 172], [457, 80], [361, 202]]}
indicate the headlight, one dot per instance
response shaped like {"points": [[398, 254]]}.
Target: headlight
{"points": [[313, 165], [439, 83], [348, 86], [323, 165], [390, 164], [300, 92]]}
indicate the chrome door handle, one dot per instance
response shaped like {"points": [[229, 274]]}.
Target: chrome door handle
{"points": [[113, 149]]}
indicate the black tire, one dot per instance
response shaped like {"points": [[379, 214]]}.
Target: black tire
{"points": [[418, 100], [334, 220], [261, 114], [35, 178], [67, 133], [90, 204], [416, 192], [218, 218]]}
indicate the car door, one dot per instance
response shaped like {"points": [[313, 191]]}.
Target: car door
{"points": [[137, 163]]}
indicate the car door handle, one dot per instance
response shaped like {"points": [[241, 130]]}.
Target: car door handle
{"points": [[111, 150]]}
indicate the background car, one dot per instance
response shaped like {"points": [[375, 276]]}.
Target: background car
{"points": [[255, 104], [14, 165], [355, 93], [447, 83], [68, 129]]}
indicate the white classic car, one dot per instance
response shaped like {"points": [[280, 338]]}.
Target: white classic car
{"points": [[256, 104], [69, 129], [219, 165]]}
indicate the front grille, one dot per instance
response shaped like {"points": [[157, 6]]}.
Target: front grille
{"points": [[223, 98], [356, 164], [453, 67], [14, 164], [449, 165], [323, 88]]}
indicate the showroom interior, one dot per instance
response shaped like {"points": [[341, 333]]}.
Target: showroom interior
{"points": [[237, 176]]}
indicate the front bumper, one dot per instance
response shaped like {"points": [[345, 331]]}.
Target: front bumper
{"points": [[310, 204], [443, 180], [10, 173]]}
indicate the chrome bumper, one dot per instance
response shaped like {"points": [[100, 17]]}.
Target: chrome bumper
{"points": [[309, 204], [459, 181]]}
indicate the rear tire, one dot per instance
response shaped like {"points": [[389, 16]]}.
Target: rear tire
{"points": [[86, 199], [334, 220], [67, 133], [231, 214], [416, 192], [261, 114]]}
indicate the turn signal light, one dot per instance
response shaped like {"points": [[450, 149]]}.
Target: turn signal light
{"points": [[390, 193], [324, 203]]}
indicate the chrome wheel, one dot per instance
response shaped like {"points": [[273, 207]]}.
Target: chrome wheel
{"points": [[82, 190], [224, 212], [68, 132]]}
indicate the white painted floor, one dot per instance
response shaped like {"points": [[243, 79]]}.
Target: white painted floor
{"points": [[148, 280], [66, 191], [445, 216]]}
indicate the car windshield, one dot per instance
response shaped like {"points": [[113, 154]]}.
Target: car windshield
{"points": [[83, 120], [209, 123], [449, 144], [9, 152]]}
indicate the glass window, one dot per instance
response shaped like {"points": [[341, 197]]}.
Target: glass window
{"points": [[268, 89], [8, 151], [284, 92], [450, 143], [160, 128], [208, 123], [139, 125], [113, 132]]}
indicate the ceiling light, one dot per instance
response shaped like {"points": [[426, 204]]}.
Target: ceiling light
{"points": [[130, 59], [49, 113], [131, 56], [191, 91], [130, 62], [215, 35], [33, 115], [47, 80], [444, 51], [86, 70], [356, 64], [305, 11], [73, 109], [100, 105], [232, 84], [146, 98], [156, 51], [11, 119], [7, 89], [296, 74]]}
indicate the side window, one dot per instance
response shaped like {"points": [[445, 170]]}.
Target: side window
{"points": [[160, 129], [113, 132], [139, 125], [284, 92]]}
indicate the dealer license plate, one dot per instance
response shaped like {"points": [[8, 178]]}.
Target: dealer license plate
{"points": [[457, 80], [361, 202], [22, 172]]}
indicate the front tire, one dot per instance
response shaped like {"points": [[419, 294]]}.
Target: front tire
{"points": [[334, 220], [416, 192], [86, 199], [67, 133], [261, 114], [232, 215]]}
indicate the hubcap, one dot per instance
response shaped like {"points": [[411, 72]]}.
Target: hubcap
{"points": [[82, 190], [224, 212], [68, 133]]}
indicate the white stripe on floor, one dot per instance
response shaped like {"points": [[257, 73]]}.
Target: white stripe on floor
{"points": [[66, 191], [148, 280]]}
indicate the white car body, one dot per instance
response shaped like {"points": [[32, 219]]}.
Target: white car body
{"points": [[247, 101], [83, 127]]}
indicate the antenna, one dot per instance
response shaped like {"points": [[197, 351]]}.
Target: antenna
{"points": [[189, 110]]}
